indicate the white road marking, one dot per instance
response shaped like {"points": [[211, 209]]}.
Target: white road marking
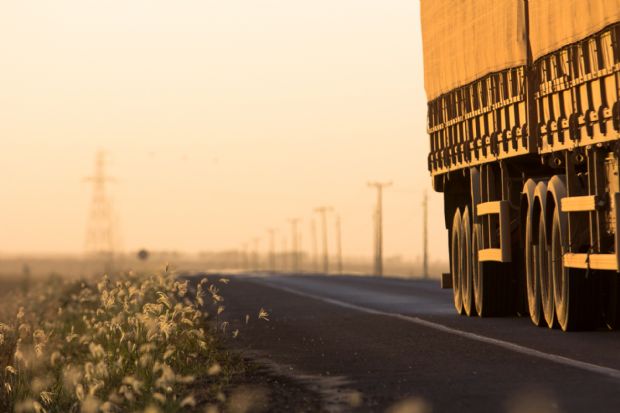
{"points": [[593, 368]]}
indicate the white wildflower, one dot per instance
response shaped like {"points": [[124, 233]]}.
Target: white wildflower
{"points": [[182, 288], [79, 392], [263, 315], [46, 397], [90, 405], [55, 358], [159, 397], [189, 401], [96, 350], [215, 369], [163, 298]]}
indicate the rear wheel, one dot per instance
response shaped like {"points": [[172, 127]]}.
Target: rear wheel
{"points": [[467, 293], [532, 273], [456, 250], [544, 273], [490, 282], [573, 289]]}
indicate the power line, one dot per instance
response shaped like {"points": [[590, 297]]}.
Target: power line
{"points": [[378, 218], [322, 211]]}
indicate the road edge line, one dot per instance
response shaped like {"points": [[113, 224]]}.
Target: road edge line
{"points": [[582, 365]]}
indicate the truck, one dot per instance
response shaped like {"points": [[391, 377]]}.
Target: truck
{"points": [[524, 126]]}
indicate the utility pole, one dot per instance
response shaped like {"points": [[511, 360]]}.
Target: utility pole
{"points": [[322, 211], [100, 233], [315, 247], [425, 234], [378, 217], [284, 254], [339, 243], [256, 258], [246, 257], [294, 243], [272, 248]]}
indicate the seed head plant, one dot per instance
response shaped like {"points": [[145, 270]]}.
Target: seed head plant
{"points": [[128, 343]]}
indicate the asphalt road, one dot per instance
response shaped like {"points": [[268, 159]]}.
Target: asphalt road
{"points": [[368, 344]]}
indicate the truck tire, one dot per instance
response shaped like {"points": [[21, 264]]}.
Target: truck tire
{"points": [[490, 282], [532, 271], [467, 292], [456, 259], [545, 276], [573, 289]]}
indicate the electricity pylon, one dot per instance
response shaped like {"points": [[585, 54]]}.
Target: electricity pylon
{"points": [[378, 218], [100, 232], [322, 211]]}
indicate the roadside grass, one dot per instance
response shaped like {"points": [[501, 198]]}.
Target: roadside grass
{"points": [[132, 342]]}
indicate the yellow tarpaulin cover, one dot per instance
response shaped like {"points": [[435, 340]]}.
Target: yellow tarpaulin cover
{"points": [[555, 23], [466, 39]]}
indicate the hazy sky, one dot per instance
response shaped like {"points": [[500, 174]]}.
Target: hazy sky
{"points": [[220, 118]]}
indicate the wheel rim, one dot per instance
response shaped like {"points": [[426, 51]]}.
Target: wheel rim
{"points": [[456, 261], [466, 273], [560, 280], [532, 262], [546, 283], [476, 271]]}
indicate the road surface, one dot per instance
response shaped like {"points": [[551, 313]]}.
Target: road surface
{"points": [[370, 344]]}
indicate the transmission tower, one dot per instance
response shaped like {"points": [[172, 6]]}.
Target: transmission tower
{"points": [[425, 234], [322, 211], [100, 232], [378, 217]]}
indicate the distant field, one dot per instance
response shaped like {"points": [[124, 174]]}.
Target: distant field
{"points": [[37, 267]]}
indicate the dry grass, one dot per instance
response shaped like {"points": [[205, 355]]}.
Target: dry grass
{"points": [[132, 343]]}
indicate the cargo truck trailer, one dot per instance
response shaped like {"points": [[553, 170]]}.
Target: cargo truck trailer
{"points": [[524, 126]]}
